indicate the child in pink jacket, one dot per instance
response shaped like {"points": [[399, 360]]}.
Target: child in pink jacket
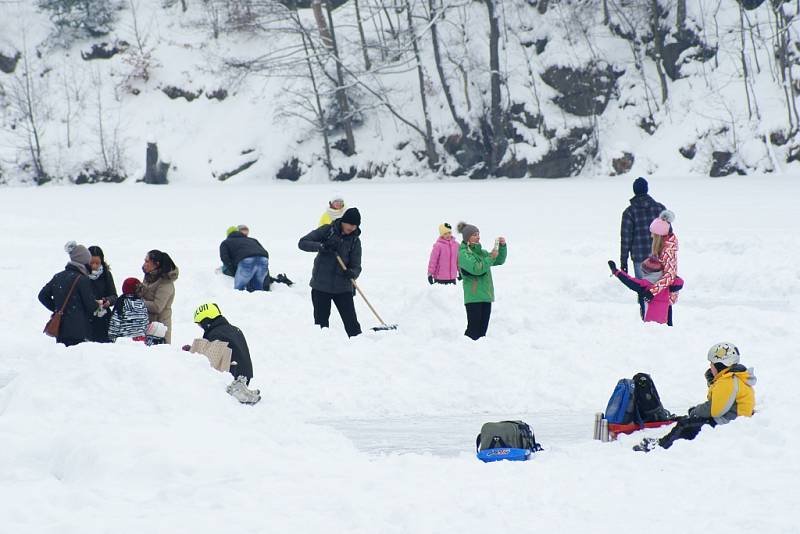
{"points": [[443, 264], [656, 308]]}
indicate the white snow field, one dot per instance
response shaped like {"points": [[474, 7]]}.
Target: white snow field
{"points": [[376, 434]]}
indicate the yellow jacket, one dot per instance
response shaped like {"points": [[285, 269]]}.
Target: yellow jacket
{"points": [[730, 395], [330, 215]]}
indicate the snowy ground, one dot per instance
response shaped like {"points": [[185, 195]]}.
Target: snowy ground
{"points": [[376, 434]]}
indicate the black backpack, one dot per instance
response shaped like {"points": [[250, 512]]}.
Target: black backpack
{"points": [[506, 434], [648, 404]]}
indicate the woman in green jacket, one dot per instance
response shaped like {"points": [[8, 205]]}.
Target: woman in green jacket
{"points": [[475, 265]]}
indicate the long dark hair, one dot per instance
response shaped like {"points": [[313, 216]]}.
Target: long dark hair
{"points": [[164, 262], [94, 250]]}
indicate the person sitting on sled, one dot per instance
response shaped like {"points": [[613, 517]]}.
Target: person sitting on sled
{"points": [[730, 394], [656, 308]]}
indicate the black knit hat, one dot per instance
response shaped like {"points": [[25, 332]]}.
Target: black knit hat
{"points": [[640, 186], [351, 216]]}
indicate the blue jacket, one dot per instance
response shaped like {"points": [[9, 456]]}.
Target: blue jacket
{"points": [[635, 237]]}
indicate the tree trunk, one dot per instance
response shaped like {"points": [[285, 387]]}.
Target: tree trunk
{"points": [[367, 64], [430, 147], [341, 96], [658, 43], [606, 17], [680, 11], [498, 141], [155, 170], [320, 110], [543, 6], [448, 95], [322, 27]]}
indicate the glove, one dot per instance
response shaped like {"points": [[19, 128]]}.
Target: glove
{"points": [[623, 265], [349, 274], [331, 244], [645, 295], [612, 266], [430, 279]]}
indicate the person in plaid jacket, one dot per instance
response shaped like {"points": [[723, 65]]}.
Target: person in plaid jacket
{"points": [[635, 237]]}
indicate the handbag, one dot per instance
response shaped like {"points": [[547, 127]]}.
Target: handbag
{"points": [[53, 325]]}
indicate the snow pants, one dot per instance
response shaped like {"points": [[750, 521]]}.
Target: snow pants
{"points": [[344, 303], [478, 314], [685, 428]]}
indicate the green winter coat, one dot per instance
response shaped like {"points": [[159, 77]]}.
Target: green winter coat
{"points": [[475, 265]]}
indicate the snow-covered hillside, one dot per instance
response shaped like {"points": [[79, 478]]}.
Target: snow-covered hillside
{"points": [[224, 89], [376, 433]]}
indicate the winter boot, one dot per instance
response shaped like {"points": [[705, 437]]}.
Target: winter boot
{"points": [[239, 391], [647, 445], [283, 279]]}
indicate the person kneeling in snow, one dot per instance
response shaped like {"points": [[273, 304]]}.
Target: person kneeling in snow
{"points": [[656, 308], [217, 328], [730, 394]]}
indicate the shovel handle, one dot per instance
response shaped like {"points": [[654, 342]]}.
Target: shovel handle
{"points": [[355, 285]]}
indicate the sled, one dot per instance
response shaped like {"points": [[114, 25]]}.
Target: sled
{"points": [[504, 453], [630, 428]]}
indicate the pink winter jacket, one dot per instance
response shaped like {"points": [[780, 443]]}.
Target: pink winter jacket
{"points": [[669, 259], [443, 264], [657, 310]]}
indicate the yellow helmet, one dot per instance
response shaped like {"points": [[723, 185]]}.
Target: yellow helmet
{"points": [[206, 311]]}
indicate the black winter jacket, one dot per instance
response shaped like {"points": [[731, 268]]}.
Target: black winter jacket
{"points": [[635, 228], [75, 322], [102, 288], [219, 329], [238, 247], [327, 275]]}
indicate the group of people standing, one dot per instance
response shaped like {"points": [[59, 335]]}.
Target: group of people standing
{"points": [[85, 296]]}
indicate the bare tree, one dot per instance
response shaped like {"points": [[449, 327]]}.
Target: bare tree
{"points": [[437, 56], [367, 63], [27, 100], [430, 147], [341, 93], [498, 141]]}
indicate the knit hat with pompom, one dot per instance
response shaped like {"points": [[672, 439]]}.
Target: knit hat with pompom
{"points": [[78, 253], [466, 230], [662, 224]]}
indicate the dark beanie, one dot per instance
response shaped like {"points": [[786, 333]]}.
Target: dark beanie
{"points": [[640, 186], [351, 216]]}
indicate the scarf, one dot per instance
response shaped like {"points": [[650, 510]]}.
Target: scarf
{"points": [[335, 214], [94, 275], [653, 277], [81, 267]]}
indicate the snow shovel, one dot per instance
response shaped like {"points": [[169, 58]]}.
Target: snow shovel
{"points": [[383, 325]]}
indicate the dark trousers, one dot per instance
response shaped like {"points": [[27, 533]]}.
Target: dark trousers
{"points": [[69, 342], [478, 314], [685, 428], [344, 303]]}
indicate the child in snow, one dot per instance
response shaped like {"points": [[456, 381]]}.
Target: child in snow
{"points": [[656, 308], [217, 328], [730, 394], [129, 318], [475, 265], [443, 263]]}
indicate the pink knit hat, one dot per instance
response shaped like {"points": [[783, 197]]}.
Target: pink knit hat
{"points": [[661, 224]]}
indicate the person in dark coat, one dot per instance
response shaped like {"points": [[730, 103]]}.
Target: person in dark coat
{"points": [[75, 323], [105, 293], [329, 282], [217, 328], [635, 239], [246, 258]]}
